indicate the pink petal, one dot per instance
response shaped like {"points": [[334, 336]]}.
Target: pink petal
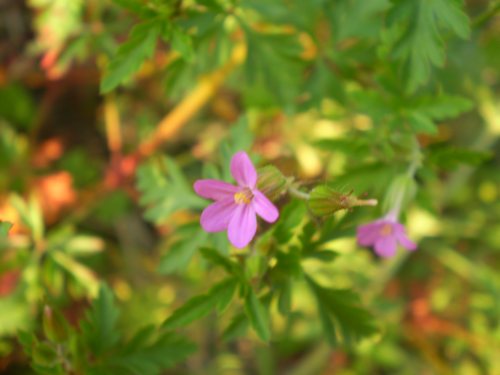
{"points": [[264, 207], [216, 217], [385, 246], [243, 170], [242, 226], [405, 241], [214, 189], [368, 234]]}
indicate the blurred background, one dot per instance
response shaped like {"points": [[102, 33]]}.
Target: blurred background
{"points": [[110, 109]]}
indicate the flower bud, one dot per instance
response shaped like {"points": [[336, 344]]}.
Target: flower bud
{"points": [[271, 182], [325, 201]]}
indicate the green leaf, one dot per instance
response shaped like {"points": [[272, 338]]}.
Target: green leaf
{"points": [[16, 105], [357, 18], [138, 7], [45, 354], [99, 328], [165, 190], [153, 358], [285, 298], [290, 218], [224, 292], [322, 255], [198, 307], [420, 46], [236, 328], [288, 263], [83, 245], [359, 147], [420, 123], [131, 54], [444, 106], [181, 42], [31, 214], [448, 157], [327, 325], [273, 60], [217, 258], [344, 320], [181, 252], [4, 228], [257, 315], [84, 275]]}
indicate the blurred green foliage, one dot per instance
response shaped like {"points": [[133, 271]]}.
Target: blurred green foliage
{"points": [[110, 109]]}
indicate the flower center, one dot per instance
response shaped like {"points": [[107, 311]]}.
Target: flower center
{"points": [[386, 230], [243, 197]]}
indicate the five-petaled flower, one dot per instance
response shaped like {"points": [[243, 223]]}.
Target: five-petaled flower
{"points": [[235, 207], [384, 234]]}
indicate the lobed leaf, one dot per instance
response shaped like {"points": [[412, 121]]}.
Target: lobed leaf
{"points": [[131, 54], [343, 319]]}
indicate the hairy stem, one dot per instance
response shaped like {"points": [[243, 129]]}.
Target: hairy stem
{"points": [[298, 194]]}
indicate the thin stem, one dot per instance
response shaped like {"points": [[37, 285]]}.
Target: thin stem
{"points": [[416, 159], [190, 105], [366, 202], [492, 10], [113, 126], [298, 194]]}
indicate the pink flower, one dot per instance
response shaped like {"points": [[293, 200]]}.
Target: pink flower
{"points": [[235, 207], [384, 234]]}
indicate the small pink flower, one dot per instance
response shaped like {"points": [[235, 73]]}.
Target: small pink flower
{"points": [[235, 207], [384, 235]]}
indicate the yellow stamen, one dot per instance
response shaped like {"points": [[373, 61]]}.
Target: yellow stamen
{"points": [[386, 230], [243, 197]]}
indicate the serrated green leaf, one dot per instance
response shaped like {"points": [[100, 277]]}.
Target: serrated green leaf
{"points": [[444, 106], [273, 60], [131, 54], [290, 218], [84, 275], [165, 190], [99, 328], [217, 258], [162, 354], [351, 322], [257, 315], [327, 325], [421, 45], [236, 328], [357, 18], [198, 307], [420, 123], [181, 42], [181, 252], [224, 292]]}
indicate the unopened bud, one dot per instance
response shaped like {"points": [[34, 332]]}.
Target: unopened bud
{"points": [[325, 201], [271, 182]]}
